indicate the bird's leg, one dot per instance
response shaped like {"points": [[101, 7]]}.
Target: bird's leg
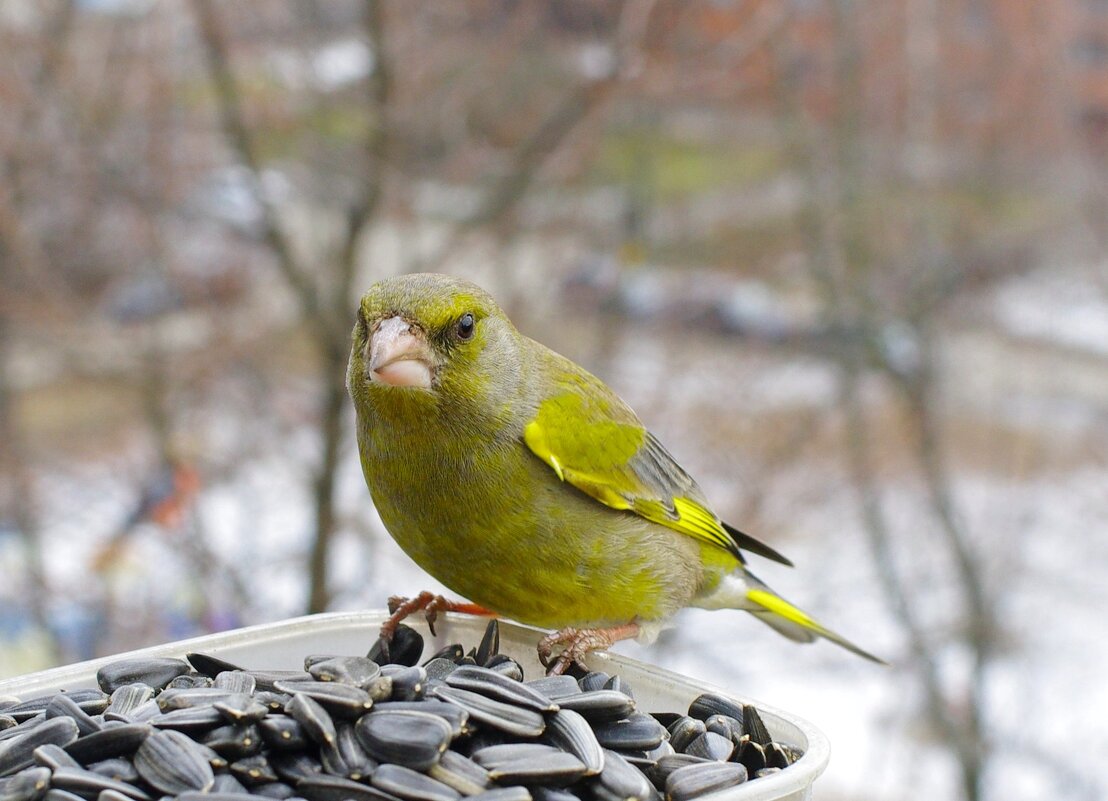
{"points": [[431, 604], [579, 642]]}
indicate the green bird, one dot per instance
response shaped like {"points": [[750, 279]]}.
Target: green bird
{"points": [[525, 484]]}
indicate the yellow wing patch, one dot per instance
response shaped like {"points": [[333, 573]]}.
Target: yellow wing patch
{"points": [[687, 517], [595, 456], [535, 437]]}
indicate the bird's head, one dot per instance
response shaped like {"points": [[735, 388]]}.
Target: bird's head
{"points": [[431, 339]]}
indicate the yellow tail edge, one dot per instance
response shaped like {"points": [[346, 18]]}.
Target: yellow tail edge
{"points": [[778, 606]]}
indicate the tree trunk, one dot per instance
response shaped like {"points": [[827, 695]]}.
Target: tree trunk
{"points": [[331, 416]]}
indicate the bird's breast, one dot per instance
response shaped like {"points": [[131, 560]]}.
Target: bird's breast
{"points": [[494, 524]]}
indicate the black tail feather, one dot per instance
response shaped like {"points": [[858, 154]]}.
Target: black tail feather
{"points": [[748, 543]]}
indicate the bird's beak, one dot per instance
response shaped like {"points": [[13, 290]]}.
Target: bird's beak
{"points": [[399, 355]]}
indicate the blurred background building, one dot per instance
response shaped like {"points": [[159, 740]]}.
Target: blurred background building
{"points": [[847, 258]]}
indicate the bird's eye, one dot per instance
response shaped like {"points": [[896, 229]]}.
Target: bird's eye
{"points": [[466, 326]]}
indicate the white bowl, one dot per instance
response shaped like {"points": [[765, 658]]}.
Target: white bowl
{"points": [[284, 645]]}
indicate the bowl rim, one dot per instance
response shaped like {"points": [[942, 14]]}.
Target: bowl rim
{"points": [[795, 782]]}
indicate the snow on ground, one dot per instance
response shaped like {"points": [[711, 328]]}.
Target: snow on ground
{"points": [[1061, 306]]}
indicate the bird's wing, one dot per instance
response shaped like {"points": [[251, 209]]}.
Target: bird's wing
{"points": [[592, 440]]}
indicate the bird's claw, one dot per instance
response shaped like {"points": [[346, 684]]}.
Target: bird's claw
{"points": [[430, 603], [578, 643]]}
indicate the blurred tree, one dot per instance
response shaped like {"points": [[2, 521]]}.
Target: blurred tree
{"points": [[325, 282]]}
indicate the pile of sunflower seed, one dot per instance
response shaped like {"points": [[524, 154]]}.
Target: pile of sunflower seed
{"points": [[380, 727]]}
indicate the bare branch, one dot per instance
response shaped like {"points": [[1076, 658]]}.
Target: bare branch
{"points": [[362, 210], [534, 150], [233, 121]]}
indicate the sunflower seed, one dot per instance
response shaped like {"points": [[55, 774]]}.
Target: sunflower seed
{"points": [[127, 698], [505, 717], [226, 783], [274, 701], [506, 666], [54, 794], [380, 689], [461, 773], [359, 671], [593, 680], [91, 701], [267, 679], [408, 683], [540, 793], [122, 770], [346, 757], [170, 762], [283, 732], [317, 724], [501, 688], [241, 709], [684, 730], [668, 764], [638, 732], [157, 672], [235, 681], [107, 743], [490, 643], [708, 704], [64, 706], [171, 699], [278, 790], [405, 648], [211, 666], [18, 752], [517, 793], [190, 681], [234, 742], [192, 795], [253, 770], [569, 731], [530, 763], [555, 687], [753, 726], [438, 668], [335, 788], [87, 784], [454, 653], [693, 781], [189, 719], [711, 746], [724, 726], [750, 754], [406, 737], [338, 699], [53, 756], [599, 706], [776, 757], [620, 685], [410, 785], [457, 717], [19, 729], [30, 784], [621, 781], [294, 767]]}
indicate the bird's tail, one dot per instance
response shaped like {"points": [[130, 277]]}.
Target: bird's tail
{"points": [[747, 592]]}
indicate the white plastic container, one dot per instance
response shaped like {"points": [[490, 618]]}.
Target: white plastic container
{"points": [[283, 646]]}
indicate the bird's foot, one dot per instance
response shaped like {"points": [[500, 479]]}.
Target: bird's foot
{"points": [[576, 643], [431, 604]]}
